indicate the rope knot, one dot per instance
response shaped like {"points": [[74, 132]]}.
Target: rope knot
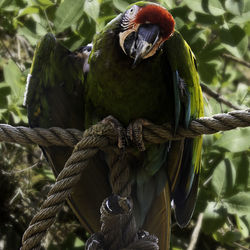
{"points": [[104, 136]]}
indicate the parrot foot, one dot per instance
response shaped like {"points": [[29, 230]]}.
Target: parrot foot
{"points": [[134, 132], [121, 131], [95, 242], [146, 236]]}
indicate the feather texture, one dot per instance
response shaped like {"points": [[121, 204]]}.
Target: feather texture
{"points": [[163, 88]]}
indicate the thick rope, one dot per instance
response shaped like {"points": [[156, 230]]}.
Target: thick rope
{"points": [[151, 133], [119, 176], [41, 136], [98, 137], [65, 181]]}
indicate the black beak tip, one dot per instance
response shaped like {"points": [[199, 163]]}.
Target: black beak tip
{"points": [[137, 60]]}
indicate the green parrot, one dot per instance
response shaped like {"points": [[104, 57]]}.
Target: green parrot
{"points": [[138, 66]]}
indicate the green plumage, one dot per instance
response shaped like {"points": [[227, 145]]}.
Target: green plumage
{"points": [[133, 97], [162, 88]]}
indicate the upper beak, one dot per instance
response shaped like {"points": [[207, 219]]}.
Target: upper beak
{"points": [[146, 37]]}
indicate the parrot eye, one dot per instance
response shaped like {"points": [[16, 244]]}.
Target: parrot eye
{"points": [[128, 17], [132, 12]]}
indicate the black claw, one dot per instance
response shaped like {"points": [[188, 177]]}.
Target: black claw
{"points": [[134, 133], [121, 131], [95, 242]]}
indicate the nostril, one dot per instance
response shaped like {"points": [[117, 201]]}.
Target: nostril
{"points": [[148, 47]]}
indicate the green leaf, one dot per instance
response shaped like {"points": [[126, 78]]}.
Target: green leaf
{"points": [[32, 34], [16, 118], [195, 5], [242, 165], [13, 77], [85, 27], [192, 35], [246, 220], [92, 8], [74, 42], [244, 18], [4, 92], [223, 179], [210, 52], [4, 3], [214, 217], [195, 37], [78, 242], [181, 12], [234, 39], [207, 71], [235, 6], [68, 14], [242, 93], [215, 8], [120, 5], [49, 174], [235, 141], [3, 115], [28, 10], [170, 4], [206, 19], [232, 35], [228, 238], [242, 226], [43, 4], [246, 6], [238, 204], [247, 28], [179, 23]]}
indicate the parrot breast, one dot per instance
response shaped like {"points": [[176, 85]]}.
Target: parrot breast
{"points": [[115, 88]]}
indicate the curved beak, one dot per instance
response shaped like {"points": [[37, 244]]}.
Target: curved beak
{"points": [[144, 40]]}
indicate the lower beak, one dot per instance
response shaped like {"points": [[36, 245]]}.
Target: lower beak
{"points": [[146, 37]]}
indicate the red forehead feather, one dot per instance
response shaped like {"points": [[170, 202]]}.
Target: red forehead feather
{"points": [[157, 15]]}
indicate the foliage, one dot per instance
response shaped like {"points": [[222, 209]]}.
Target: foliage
{"points": [[213, 28]]}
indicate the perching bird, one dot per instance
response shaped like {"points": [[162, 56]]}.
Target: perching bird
{"points": [[138, 67]]}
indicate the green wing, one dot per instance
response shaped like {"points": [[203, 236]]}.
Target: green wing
{"points": [[188, 105], [56, 77], [55, 97]]}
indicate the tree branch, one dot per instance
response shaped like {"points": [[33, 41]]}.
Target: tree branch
{"points": [[11, 56], [238, 60], [217, 96], [239, 245], [195, 233]]}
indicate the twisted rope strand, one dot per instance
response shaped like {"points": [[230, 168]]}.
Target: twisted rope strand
{"points": [[206, 125], [43, 137], [62, 189], [151, 133], [98, 137]]}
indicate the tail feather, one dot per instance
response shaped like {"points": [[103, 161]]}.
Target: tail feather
{"points": [[186, 189], [184, 209], [158, 220]]}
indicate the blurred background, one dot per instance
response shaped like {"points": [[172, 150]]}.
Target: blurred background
{"points": [[218, 32]]}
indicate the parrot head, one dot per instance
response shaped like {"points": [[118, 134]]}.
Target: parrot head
{"points": [[144, 27]]}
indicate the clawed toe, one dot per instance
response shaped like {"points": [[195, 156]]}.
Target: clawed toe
{"points": [[121, 131], [134, 133]]}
